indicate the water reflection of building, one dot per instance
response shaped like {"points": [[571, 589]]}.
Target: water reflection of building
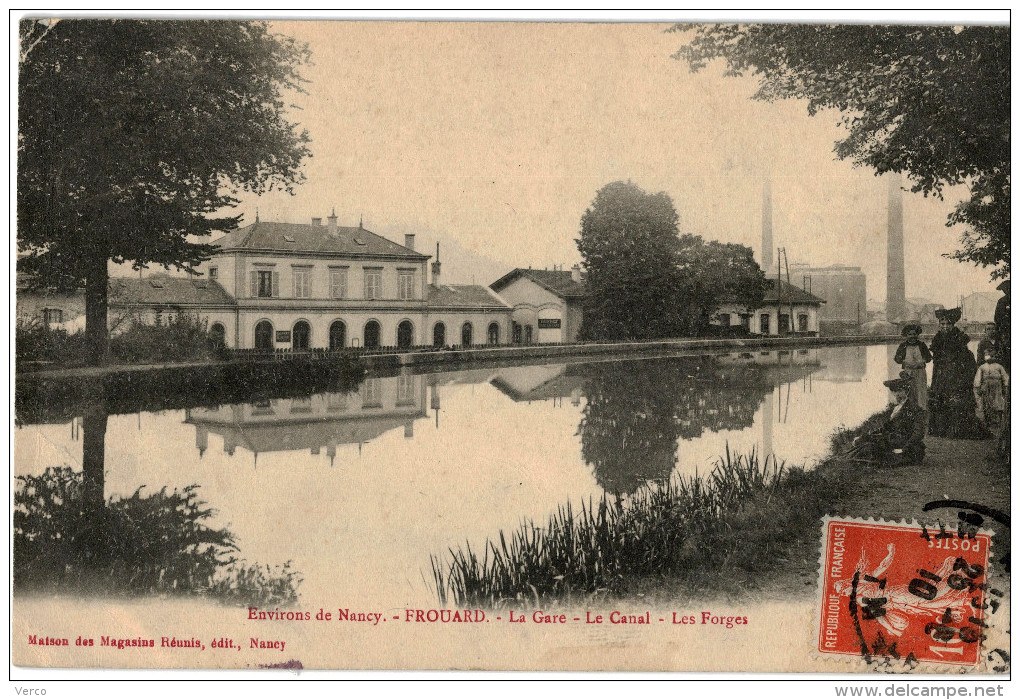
{"points": [[540, 383], [847, 364], [317, 422]]}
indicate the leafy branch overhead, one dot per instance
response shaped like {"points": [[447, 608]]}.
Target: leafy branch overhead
{"points": [[135, 135], [932, 102]]}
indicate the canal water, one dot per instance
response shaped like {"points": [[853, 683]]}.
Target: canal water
{"points": [[357, 490]]}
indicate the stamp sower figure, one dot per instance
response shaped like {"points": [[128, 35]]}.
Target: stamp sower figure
{"points": [[951, 398], [991, 386], [913, 355], [899, 440]]}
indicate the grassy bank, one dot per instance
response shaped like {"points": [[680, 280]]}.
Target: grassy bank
{"points": [[731, 530]]}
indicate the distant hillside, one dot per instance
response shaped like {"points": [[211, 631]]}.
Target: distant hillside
{"points": [[462, 265]]}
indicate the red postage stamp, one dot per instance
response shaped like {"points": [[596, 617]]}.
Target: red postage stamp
{"points": [[903, 592]]}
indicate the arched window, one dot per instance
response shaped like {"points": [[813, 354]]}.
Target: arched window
{"points": [[439, 335], [465, 335], [405, 334], [302, 336], [372, 334], [493, 338], [337, 335], [217, 335], [264, 336]]}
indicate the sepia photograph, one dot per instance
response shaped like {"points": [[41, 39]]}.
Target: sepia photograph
{"points": [[467, 344]]}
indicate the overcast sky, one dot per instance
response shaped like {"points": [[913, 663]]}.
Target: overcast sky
{"points": [[498, 135]]}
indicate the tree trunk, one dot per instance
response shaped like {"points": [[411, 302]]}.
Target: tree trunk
{"points": [[93, 427], [94, 545], [97, 334]]}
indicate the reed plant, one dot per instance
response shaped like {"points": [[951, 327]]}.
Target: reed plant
{"points": [[674, 528]]}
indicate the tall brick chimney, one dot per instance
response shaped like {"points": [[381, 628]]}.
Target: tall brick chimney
{"points": [[896, 286], [575, 273], [409, 241]]}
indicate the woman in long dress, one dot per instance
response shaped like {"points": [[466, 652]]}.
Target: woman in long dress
{"points": [[951, 404]]}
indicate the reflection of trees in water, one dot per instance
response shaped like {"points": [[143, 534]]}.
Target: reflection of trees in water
{"points": [[635, 414], [69, 538]]}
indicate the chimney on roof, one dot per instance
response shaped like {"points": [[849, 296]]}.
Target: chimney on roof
{"points": [[316, 221], [435, 268], [332, 222], [575, 273], [409, 241]]}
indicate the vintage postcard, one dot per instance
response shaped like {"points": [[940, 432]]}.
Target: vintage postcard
{"points": [[512, 346]]}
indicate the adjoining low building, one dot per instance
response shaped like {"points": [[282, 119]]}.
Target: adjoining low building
{"points": [[546, 303], [786, 310], [56, 309], [979, 307], [280, 286]]}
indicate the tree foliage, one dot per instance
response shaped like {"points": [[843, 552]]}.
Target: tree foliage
{"points": [[712, 272], [133, 136], [932, 102], [630, 247], [645, 280]]}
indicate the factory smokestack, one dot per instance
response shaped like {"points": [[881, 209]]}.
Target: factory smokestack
{"points": [[896, 288], [766, 225]]}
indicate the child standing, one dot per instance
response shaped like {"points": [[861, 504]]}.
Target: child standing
{"points": [[991, 386], [913, 355]]}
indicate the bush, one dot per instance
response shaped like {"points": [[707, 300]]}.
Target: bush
{"points": [[186, 338], [35, 342], [157, 543]]}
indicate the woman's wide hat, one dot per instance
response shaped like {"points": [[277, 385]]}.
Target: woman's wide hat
{"points": [[900, 383], [950, 315]]}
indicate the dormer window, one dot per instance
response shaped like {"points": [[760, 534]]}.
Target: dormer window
{"points": [[359, 241], [214, 273], [289, 239]]}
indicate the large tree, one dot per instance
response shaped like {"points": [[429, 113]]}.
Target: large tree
{"points": [[630, 248], [932, 102], [135, 135], [712, 272]]}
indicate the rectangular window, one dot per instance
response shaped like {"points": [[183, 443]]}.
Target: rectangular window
{"points": [[371, 393], [302, 282], [265, 283], [338, 283], [53, 316], [336, 402], [764, 320], [214, 273], [802, 320], [405, 283], [405, 390], [784, 323], [373, 283]]}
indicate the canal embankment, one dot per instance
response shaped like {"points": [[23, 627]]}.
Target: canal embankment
{"points": [[132, 387]]}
